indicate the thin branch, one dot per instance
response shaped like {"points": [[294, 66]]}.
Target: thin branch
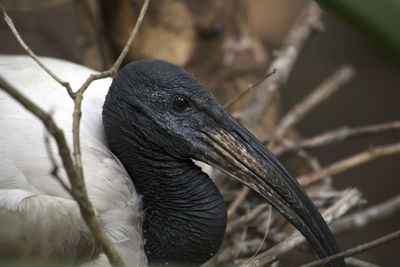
{"points": [[54, 171], [249, 89], [264, 237], [350, 162], [11, 25], [240, 243], [309, 21], [359, 263], [78, 189], [75, 171], [264, 93], [77, 114], [239, 222], [312, 161], [357, 250], [329, 86], [238, 200], [373, 214], [113, 70], [338, 135], [349, 199], [322, 92]]}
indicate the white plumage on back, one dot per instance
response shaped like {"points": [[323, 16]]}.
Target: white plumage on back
{"points": [[37, 216]]}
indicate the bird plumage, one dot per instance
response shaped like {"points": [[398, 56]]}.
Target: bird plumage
{"points": [[153, 200], [37, 216]]}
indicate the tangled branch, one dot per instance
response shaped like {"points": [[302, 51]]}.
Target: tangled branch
{"points": [[74, 167]]}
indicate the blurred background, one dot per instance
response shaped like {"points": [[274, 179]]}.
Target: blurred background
{"points": [[229, 44]]}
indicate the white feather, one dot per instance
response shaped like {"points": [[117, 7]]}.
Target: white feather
{"points": [[38, 218]]}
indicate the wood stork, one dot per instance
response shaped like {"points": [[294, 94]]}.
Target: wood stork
{"points": [[139, 139]]}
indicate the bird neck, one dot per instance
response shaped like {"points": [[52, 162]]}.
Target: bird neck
{"points": [[184, 213]]}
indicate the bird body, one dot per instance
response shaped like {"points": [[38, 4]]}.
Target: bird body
{"points": [[140, 134], [37, 215]]}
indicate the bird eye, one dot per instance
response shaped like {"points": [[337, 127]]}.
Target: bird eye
{"points": [[180, 103]]}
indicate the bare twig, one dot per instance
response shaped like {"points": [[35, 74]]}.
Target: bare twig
{"points": [[350, 199], [356, 250], [309, 20], [350, 162], [240, 243], [312, 161], [110, 72], [75, 170], [264, 237], [77, 114], [322, 92], [78, 189], [239, 222], [359, 263], [283, 63], [55, 169], [240, 198], [10, 24], [338, 135], [113, 70], [376, 213], [249, 89]]}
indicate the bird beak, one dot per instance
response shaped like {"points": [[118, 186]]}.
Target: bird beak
{"points": [[235, 151]]}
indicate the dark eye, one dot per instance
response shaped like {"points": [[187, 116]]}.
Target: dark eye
{"points": [[180, 103]]}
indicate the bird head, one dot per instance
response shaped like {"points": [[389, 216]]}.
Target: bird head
{"points": [[171, 113]]}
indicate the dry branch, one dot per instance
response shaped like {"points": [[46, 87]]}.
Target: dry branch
{"points": [[11, 25], [264, 237], [356, 250], [74, 169], [349, 199], [243, 220], [240, 198], [296, 39], [78, 189], [350, 162], [338, 135], [55, 169], [249, 89], [322, 92], [77, 114], [376, 213], [359, 263], [309, 21], [312, 161]]}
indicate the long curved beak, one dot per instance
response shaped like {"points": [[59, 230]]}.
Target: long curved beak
{"points": [[235, 151]]}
